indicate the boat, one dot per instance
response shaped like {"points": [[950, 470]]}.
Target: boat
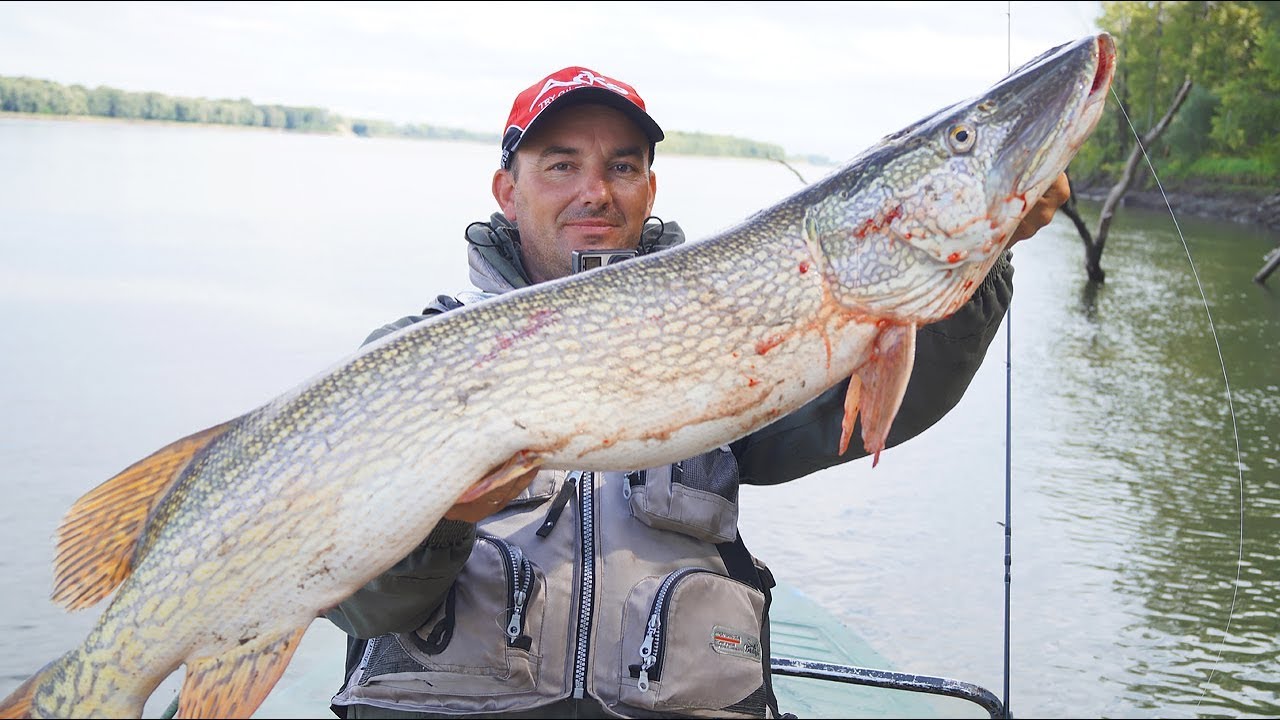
{"points": [[821, 669]]}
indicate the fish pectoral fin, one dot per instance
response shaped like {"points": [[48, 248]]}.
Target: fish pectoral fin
{"points": [[883, 383], [515, 467], [98, 536], [234, 684], [852, 399]]}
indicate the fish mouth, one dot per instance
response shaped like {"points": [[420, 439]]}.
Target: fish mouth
{"points": [[1104, 58], [1106, 65], [1058, 136]]}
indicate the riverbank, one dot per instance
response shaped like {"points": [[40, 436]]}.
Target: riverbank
{"points": [[1258, 207], [7, 115], [676, 142]]}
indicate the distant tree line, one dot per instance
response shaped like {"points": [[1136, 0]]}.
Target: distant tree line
{"points": [[383, 128], [1224, 135], [30, 95], [682, 143]]}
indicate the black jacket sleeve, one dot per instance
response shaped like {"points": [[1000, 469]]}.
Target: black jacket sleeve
{"points": [[402, 598]]}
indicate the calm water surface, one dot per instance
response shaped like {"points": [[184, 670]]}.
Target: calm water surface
{"points": [[158, 280]]}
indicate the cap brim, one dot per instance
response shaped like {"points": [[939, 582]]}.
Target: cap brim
{"points": [[599, 96]]}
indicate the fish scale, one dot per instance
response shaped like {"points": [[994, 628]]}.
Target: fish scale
{"points": [[222, 547]]}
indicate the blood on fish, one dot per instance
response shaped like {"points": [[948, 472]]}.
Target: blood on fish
{"points": [[537, 321], [871, 223], [768, 344]]}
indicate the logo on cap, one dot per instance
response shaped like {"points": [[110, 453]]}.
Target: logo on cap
{"points": [[584, 77]]}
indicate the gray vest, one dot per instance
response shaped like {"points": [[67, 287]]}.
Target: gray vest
{"points": [[605, 585], [629, 588]]}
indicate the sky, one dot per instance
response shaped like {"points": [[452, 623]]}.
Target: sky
{"points": [[824, 78]]}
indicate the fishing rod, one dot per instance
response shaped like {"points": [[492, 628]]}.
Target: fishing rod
{"points": [[1008, 426]]}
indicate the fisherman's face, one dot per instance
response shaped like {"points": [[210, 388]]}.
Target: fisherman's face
{"points": [[581, 181]]}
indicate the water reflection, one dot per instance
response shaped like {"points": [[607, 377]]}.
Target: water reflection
{"points": [[1163, 503], [1089, 299]]}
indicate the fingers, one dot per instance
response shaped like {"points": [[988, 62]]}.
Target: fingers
{"points": [[492, 499], [1042, 212]]}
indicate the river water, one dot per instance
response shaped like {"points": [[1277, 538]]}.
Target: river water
{"points": [[156, 280]]}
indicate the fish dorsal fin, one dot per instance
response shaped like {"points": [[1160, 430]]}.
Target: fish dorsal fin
{"points": [[97, 538], [234, 684]]}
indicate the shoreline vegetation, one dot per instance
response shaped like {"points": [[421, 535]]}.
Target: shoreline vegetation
{"points": [[1255, 200], [1209, 71], [22, 97]]}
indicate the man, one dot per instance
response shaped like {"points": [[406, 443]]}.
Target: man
{"points": [[599, 594]]}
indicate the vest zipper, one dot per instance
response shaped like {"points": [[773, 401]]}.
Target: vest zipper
{"points": [[632, 479], [586, 587], [359, 675], [519, 572], [651, 650]]}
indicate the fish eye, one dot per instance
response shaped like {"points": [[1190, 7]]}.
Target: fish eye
{"points": [[961, 137]]}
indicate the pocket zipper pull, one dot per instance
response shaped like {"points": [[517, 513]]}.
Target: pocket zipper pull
{"points": [[646, 653], [630, 480], [557, 505], [517, 613]]}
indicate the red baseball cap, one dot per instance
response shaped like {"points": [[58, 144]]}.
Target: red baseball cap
{"points": [[572, 85]]}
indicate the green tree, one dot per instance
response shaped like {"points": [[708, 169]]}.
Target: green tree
{"points": [[1250, 106], [1225, 132], [158, 107]]}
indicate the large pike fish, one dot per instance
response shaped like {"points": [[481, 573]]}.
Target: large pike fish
{"points": [[224, 546]]}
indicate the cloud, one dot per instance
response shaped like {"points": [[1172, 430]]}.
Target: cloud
{"points": [[826, 78]]}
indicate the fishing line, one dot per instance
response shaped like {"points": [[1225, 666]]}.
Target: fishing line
{"points": [[1225, 381]]}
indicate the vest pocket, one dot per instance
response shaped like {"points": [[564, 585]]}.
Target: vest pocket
{"points": [[485, 637], [697, 497], [691, 645]]}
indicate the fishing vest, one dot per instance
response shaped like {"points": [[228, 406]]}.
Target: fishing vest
{"points": [[630, 588]]}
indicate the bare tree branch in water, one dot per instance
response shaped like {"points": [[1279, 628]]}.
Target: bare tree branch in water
{"points": [[1095, 242], [1269, 265]]}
